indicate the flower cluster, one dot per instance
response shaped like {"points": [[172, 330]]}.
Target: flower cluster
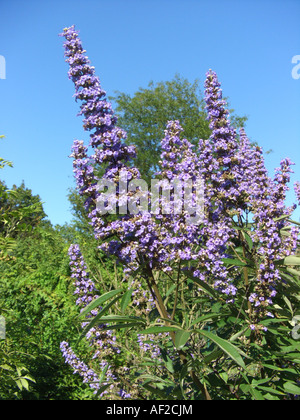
{"points": [[220, 150], [101, 339], [89, 376], [106, 138], [85, 288], [266, 201], [297, 191]]}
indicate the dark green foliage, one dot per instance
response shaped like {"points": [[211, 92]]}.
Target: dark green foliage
{"points": [[20, 210], [35, 300], [36, 297]]}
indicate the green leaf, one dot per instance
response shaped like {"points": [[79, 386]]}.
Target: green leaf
{"points": [[171, 290], [181, 337], [120, 318], [270, 390], [6, 367], [208, 317], [295, 223], [292, 260], [102, 389], [292, 282], [120, 326], [98, 317], [232, 351], [125, 300], [25, 384], [281, 218], [155, 391], [256, 394], [157, 330], [279, 369], [291, 388], [204, 286], [238, 334], [234, 261], [293, 271], [248, 240], [97, 302]]}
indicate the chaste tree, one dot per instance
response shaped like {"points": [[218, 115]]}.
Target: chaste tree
{"points": [[217, 288]]}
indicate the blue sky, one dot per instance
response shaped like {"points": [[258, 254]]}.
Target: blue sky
{"points": [[249, 43]]}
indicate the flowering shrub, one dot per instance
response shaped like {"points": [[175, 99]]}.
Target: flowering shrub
{"points": [[208, 305]]}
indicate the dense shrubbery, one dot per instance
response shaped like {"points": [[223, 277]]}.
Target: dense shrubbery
{"points": [[35, 299]]}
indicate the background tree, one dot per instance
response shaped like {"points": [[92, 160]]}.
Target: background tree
{"points": [[145, 114], [20, 210]]}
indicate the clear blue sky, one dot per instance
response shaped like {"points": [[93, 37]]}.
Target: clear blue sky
{"points": [[249, 43]]}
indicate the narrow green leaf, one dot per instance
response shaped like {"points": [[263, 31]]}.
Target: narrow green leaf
{"points": [[119, 318], [291, 388], [102, 389], [171, 290], [270, 390], [281, 218], [97, 302], [234, 261], [25, 384], [292, 282], [238, 334], [19, 384], [120, 326], [204, 286], [256, 394], [155, 391], [293, 271], [248, 240], [103, 374], [292, 260], [212, 356], [181, 338], [208, 317], [232, 351], [126, 299], [293, 221], [98, 317], [157, 330], [6, 367], [279, 369]]}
